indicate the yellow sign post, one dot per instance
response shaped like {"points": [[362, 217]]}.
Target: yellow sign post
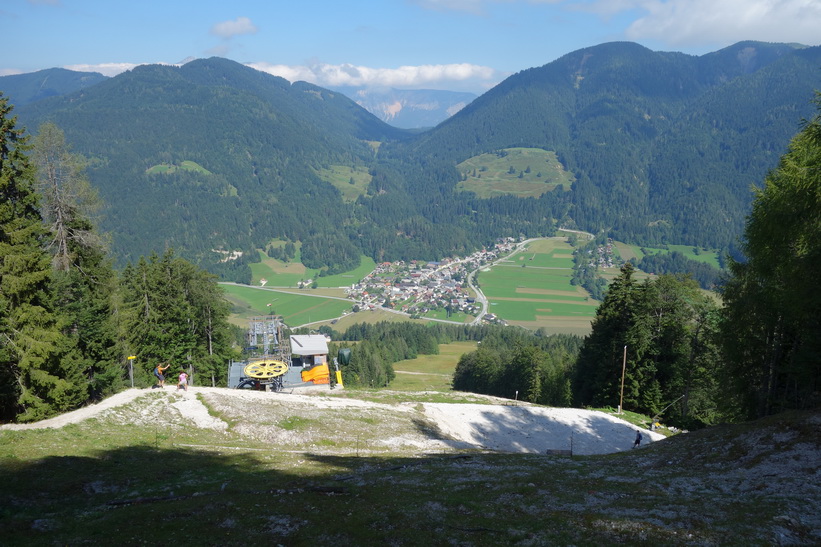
{"points": [[131, 368]]}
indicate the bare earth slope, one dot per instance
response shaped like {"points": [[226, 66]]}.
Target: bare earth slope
{"points": [[402, 470], [495, 426]]}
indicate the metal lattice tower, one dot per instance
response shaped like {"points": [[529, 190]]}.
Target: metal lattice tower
{"points": [[265, 333]]}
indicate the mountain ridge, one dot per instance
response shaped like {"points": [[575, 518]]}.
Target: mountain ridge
{"points": [[663, 147], [608, 110], [35, 86]]}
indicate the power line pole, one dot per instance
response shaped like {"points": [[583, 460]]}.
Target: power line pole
{"points": [[623, 368]]}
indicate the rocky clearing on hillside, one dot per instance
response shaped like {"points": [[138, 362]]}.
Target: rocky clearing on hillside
{"points": [[311, 418], [745, 483]]}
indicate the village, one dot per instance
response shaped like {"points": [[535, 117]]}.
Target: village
{"points": [[416, 288]]}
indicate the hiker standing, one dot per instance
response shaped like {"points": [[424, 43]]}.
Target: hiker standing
{"points": [[183, 383], [638, 439], [158, 372]]}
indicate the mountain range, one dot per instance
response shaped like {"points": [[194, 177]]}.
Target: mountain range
{"points": [[216, 156], [404, 108], [409, 108]]}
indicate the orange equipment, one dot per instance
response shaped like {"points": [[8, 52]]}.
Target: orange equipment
{"points": [[318, 374]]}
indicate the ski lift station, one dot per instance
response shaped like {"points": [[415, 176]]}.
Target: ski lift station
{"points": [[302, 360]]}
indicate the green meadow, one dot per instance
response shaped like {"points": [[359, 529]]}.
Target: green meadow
{"points": [[430, 372], [296, 308], [288, 274], [443, 315], [532, 289], [351, 182], [523, 172], [708, 256], [168, 168]]}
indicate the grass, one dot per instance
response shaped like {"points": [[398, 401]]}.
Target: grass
{"points": [[168, 168], [288, 274], [280, 297], [376, 315], [707, 256], [292, 423], [430, 372], [106, 481], [523, 172], [532, 289], [351, 182], [296, 308]]}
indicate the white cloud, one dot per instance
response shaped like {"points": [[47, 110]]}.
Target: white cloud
{"points": [[452, 77], [403, 77], [229, 29], [683, 23], [694, 22], [106, 69]]}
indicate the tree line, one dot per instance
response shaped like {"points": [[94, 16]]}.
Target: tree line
{"points": [[69, 322]]}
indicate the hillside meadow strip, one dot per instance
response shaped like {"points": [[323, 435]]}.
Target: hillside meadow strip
{"points": [[295, 308], [532, 289]]}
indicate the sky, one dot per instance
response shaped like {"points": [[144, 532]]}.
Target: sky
{"points": [[459, 45]]}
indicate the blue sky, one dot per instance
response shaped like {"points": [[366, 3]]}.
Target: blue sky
{"points": [[467, 45]]}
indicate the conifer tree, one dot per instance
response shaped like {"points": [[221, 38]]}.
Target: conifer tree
{"points": [[83, 281], [527, 367], [772, 315], [32, 386], [599, 365], [175, 312]]}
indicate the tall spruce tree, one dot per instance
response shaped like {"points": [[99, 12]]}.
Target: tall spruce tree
{"points": [[524, 374], [672, 347], [668, 328], [175, 312], [32, 384], [83, 281], [772, 315], [599, 365]]}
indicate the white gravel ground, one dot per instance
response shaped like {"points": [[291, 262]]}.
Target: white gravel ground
{"points": [[497, 426]]}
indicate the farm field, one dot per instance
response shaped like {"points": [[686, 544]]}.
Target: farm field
{"points": [[430, 372], [532, 289], [288, 274], [296, 308], [706, 256]]}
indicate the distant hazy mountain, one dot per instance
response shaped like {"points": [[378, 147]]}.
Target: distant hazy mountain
{"points": [[409, 108], [34, 86]]}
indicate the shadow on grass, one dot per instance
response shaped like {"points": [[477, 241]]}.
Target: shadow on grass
{"points": [[233, 496], [144, 495]]}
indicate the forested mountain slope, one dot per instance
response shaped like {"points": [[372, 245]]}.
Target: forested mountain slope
{"points": [[255, 142], [35, 86], [664, 146], [215, 155]]}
